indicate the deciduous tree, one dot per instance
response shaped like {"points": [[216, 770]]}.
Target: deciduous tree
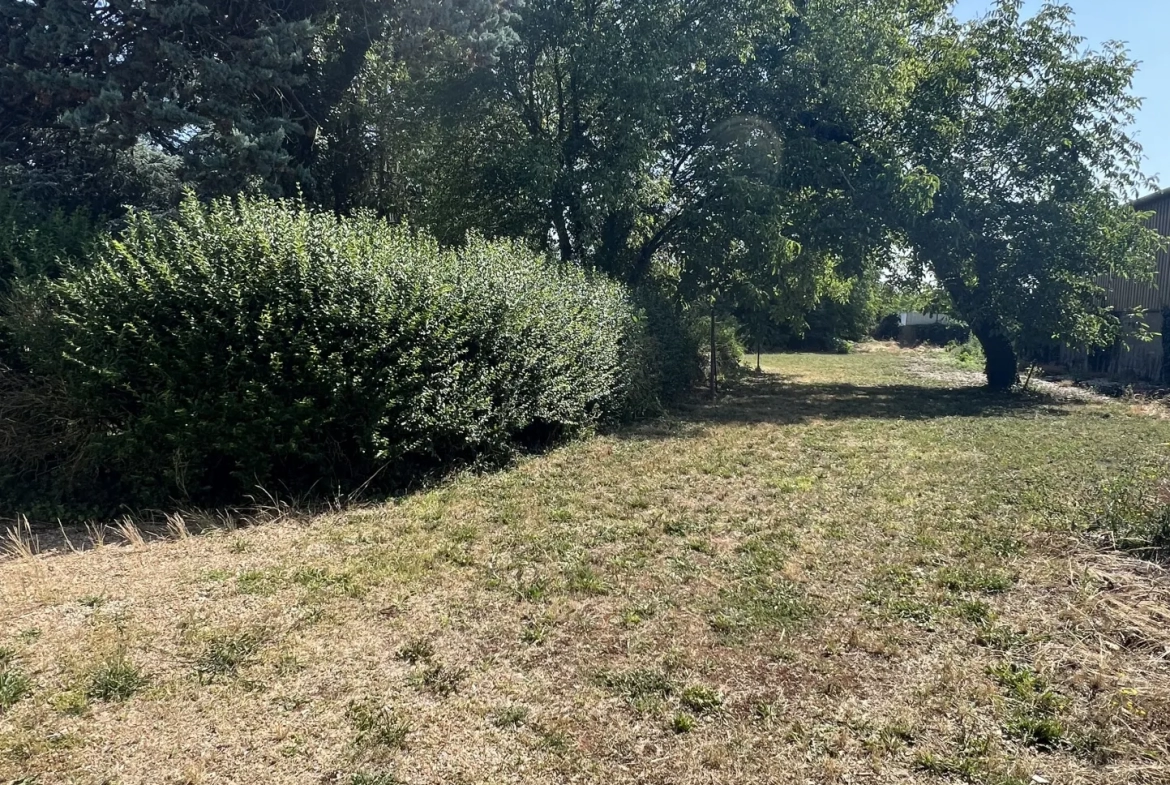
{"points": [[1028, 137]]}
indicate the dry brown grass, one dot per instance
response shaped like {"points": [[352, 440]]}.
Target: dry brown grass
{"points": [[840, 573], [128, 530], [19, 541]]}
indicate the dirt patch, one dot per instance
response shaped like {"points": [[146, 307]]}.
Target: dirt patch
{"points": [[933, 365]]}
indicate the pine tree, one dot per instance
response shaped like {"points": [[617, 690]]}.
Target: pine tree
{"points": [[222, 94]]}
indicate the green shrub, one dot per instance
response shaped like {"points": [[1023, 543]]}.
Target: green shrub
{"points": [[729, 349], [828, 326], [37, 242], [259, 344], [670, 337], [967, 354], [889, 328], [936, 335], [831, 325]]}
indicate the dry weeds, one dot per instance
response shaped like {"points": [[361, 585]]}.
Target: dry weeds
{"points": [[843, 572]]}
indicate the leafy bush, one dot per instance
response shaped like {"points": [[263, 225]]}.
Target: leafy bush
{"points": [[829, 326], [935, 334], [262, 344], [36, 242], [966, 354], [889, 328], [831, 323], [671, 339], [841, 346], [729, 349]]}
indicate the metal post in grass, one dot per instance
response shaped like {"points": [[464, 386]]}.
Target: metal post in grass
{"points": [[714, 365]]}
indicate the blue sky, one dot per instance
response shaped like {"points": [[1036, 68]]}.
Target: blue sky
{"points": [[1144, 26]]}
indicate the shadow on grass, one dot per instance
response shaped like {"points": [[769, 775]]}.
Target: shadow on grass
{"points": [[770, 398], [763, 398]]}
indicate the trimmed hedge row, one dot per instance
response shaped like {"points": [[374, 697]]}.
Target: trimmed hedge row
{"points": [[258, 344]]}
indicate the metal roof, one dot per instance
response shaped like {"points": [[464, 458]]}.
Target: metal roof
{"points": [[1151, 198]]}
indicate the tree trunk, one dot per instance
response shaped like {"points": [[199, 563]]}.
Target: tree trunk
{"points": [[564, 242], [1002, 367]]}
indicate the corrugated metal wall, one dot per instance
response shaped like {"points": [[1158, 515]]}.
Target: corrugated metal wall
{"points": [[1127, 295], [1131, 358]]}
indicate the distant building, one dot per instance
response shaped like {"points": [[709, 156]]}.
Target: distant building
{"points": [[916, 327], [1147, 360], [915, 319]]}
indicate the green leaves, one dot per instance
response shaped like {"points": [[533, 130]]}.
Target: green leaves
{"points": [[1028, 138], [107, 103], [259, 344]]}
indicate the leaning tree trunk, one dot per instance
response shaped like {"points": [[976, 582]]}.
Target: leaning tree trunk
{"points": [[1002, 367]]}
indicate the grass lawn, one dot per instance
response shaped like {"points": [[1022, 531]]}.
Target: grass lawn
{"points": [[851, 569]]}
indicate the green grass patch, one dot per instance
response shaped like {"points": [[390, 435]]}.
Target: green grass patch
{"points": [[761, 603], [377, 726], [225, 653], [14, 685], [510, 716], [441, 680], [116, 679], [416, 651], [374, 778], [981, 579], [639, 683], [1034, 708], [700, 699]]}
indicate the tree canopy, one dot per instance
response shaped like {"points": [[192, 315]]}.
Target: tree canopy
{"points": [[222, 95], [1028, 138], [761, 154]]}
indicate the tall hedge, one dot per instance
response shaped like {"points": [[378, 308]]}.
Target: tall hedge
{"points": [[256, 343]]}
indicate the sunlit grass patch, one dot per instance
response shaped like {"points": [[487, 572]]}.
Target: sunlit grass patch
{"points": [[582, 578], [510, 716], [639, 683], [441, 680], [1034, 708], [837, 572], [377, 727], [700, 699], [760, 602], [982, 579], [415, 651]]}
